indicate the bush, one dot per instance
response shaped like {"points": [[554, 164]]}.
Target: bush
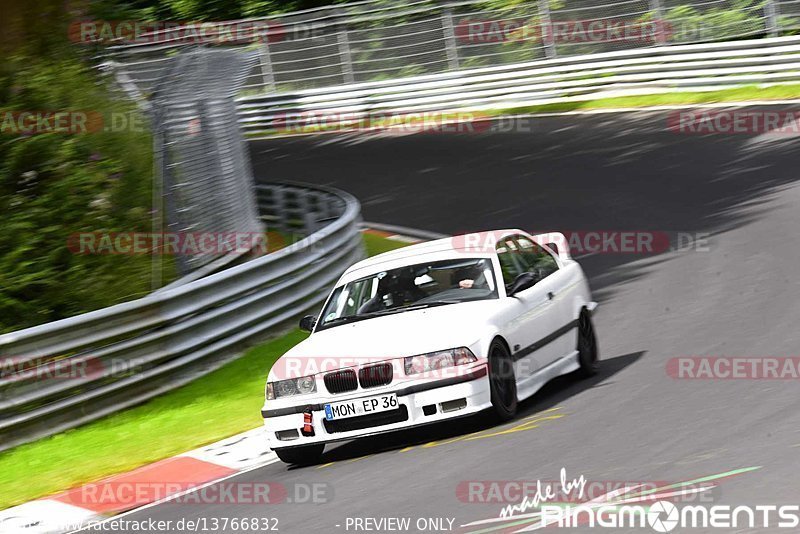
{"points": [[56, 184]]}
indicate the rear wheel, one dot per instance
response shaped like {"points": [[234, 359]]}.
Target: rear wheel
{"points": [[305, 455], [502, 382], [587, 346]]}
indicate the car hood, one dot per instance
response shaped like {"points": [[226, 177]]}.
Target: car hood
{"points": [[398, 335]]}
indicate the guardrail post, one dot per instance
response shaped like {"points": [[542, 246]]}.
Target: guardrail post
{"points": [[279, 203], [451, 47], [266, 66], [547, 29], [344, 53], [310, 223], [771, 18], [157, 210], [309, 218], [658, 18]]}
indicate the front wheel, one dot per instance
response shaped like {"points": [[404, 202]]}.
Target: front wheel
{"points": [[305, 455], [502, 382], [587, 346]]}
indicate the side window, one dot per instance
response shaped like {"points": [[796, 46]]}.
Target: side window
{"points": [[351, 297], [510, 264], [535, 258]]}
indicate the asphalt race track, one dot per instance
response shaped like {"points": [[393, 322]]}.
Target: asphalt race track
{"points": [[735, 295]]}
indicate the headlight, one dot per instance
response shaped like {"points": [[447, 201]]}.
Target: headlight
{"points": [[291, 387], [306, 384], [438, 360]]}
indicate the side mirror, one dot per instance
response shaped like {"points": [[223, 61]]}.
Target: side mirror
{"points": [[308, 322], [522, 282]]}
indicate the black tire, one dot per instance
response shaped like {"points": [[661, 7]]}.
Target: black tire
{"points": [[588, 354], [502, 382], [305, 455]]}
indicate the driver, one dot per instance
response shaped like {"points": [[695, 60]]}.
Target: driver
{"points": [[394, 290], [403, 289]]}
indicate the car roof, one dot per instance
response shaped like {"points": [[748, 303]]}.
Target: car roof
{"points": [[438, 249]]}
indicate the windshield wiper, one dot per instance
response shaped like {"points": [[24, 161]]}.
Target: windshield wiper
{"points": [[429, 304], [342, 320], [410, 307], [377, 313]]}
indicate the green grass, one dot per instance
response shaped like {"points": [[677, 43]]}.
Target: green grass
{"points": [[378, 245], [739, 94], [211, 408], [216, 406]]}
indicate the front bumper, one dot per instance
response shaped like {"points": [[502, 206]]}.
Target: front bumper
{"points": [[419, 404]]}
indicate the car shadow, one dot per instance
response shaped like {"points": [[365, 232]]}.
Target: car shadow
{"points": [[553, 393]]}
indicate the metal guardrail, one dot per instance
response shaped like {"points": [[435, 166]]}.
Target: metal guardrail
{"points": [[702, 67], [72, 371]]}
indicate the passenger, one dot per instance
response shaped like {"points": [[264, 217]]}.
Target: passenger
{"points": [[472, 277]]}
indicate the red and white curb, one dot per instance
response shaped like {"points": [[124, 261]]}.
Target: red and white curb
{"points": [[91, 503], [391, 236]]}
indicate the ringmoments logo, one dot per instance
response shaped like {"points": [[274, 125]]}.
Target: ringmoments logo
{"points": [[635, 505], [663, 516]]}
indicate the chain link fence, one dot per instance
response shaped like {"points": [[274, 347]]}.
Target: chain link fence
{"points": [[368, 41], [203, 164], [204, 182]]}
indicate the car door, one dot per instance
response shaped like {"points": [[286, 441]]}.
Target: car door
{"points": [[559, 283], [528, 320]]}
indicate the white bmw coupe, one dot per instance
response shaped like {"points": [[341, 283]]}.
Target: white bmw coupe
{"points": [[430, 332]]}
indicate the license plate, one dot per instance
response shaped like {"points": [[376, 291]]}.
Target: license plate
{"points": [[356, 407]]}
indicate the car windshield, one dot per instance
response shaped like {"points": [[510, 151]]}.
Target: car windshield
{"points": [[410, 287]]}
